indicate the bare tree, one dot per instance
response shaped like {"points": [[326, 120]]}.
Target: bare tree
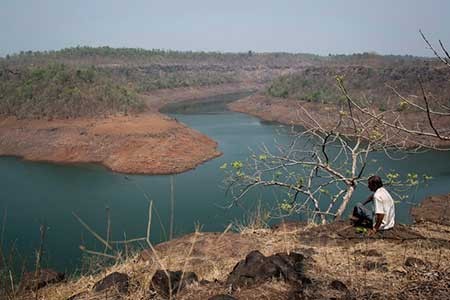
{"points": [[425, 125], [319, 169], [323, 164]]}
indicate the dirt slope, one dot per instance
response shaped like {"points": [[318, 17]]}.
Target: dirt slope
{"points": [[148, 143]]}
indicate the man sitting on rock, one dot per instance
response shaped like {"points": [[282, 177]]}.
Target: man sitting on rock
{"points": [[383, 217]]}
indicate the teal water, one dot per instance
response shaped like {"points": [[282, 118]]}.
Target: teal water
{"points": [[35, 193]]}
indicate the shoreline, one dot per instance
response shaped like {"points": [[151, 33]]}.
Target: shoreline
{"points": [[150, 143], [291, 112], [142, 144]]}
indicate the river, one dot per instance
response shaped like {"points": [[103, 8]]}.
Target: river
{"points": [[33, 193]]}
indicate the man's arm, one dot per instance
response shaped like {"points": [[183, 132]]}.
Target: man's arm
{"points": [[378, 221], [368, 200]]}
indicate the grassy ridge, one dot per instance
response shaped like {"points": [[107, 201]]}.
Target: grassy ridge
{"points": [[368, 84], [136, 56], [61, 91]]}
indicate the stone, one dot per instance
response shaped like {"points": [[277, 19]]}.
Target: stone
{"points": [[376, 265], [160, 281], [258, 268], [414, 262], [46, 277], [116, 280], [222, 297], [338, 285]]}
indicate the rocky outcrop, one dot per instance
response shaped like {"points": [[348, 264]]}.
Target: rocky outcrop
{"points": [[257, 268], [116, 280], [167, 283]]}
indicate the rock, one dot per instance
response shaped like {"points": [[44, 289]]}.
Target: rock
{"points": [[119, 281], [414, 262], [257, 268], [376, 265], [222, 297], [160, 281], [338, 285], [46, 277]]}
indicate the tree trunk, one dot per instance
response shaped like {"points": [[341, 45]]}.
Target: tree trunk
{"points": [[347, 197]]}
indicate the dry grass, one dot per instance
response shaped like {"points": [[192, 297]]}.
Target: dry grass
{"points": [[213, 255]]}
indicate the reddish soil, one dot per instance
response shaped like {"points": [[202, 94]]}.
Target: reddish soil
{"points": [[149, 143]]}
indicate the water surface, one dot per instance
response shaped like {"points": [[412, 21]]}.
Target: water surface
{"points": [[35, 193]]}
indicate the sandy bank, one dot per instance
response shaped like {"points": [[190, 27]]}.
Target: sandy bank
{"points": [[292, 112], [148, 143]]}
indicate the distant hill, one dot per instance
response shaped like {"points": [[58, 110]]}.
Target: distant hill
{"points": [[61, 91], [108, 56], [87, 81]]}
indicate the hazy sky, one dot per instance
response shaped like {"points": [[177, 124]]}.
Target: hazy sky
{"points": [[313, 26]]}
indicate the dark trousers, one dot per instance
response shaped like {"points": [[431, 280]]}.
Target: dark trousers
{"points": [[364, 215]]}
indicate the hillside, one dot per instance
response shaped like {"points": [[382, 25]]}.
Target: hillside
{"points": [[61, 91], [135, 56], [368, 84], [88, 81]]}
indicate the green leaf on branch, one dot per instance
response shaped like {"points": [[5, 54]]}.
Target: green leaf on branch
{"points": [[286, 207], [237, 164]]}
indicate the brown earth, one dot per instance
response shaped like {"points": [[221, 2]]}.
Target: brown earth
{"points": [[157, 99], [292, 112], [149, 143], [411, 263]]}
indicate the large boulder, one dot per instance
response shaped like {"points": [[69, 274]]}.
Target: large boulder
{"points": [[258, 268], [116, 280], [161, 280], [31, 280]]}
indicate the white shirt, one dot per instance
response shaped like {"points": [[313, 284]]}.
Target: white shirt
{"points": [[384, 204]]}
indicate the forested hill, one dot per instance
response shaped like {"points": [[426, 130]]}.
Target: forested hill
{"points": [[134, 56], [375, 85], [61, 91], [88, 81]]}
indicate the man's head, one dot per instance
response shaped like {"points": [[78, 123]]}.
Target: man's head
{"points": [[374, 183]]}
